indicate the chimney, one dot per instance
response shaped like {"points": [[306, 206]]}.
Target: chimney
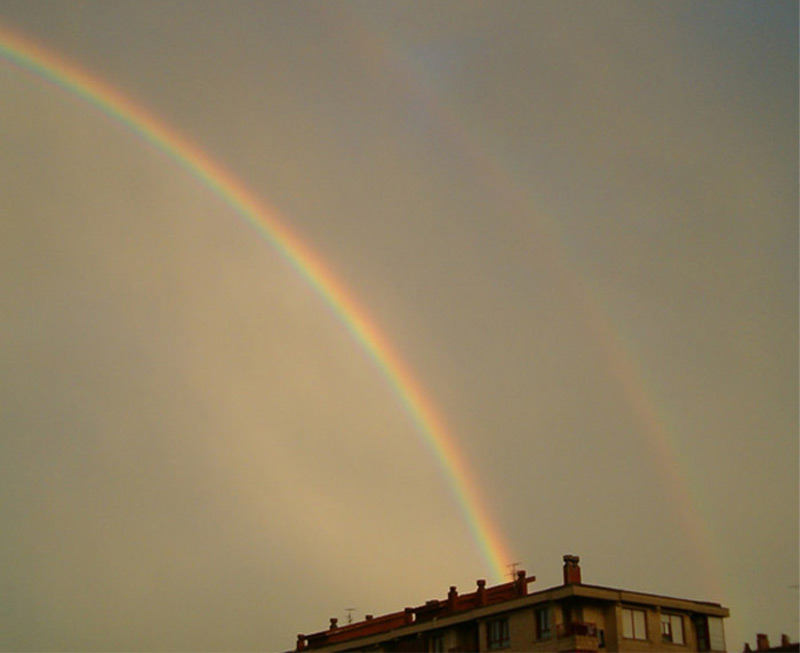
{"points": [[481, 593], [785, 641], [452, 595], [368, 617], [522, 583], [572, 570], [408, 615], [762, 642], [334, 623], [301, 642]]}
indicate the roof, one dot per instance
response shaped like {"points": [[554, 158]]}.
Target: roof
{"points": [[484, 602], [431, 610]]}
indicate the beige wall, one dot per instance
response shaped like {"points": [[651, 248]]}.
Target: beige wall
{"points": [[522, 628]]}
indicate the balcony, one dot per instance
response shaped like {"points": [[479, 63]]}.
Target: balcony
{"points": [[576, 636], [576, 629]]}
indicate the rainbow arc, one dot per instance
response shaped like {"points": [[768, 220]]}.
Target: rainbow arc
{"points": [[430, 423]]}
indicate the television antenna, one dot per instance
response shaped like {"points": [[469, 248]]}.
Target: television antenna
{"points": [[349, 612], [512, 569]]}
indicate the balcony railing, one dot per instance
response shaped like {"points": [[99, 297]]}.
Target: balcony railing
{"points": [[576, 628]]}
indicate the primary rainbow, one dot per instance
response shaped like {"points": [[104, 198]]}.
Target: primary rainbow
{"points": [[63, 73]]}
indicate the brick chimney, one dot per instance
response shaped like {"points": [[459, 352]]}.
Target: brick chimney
{"points": [[480, 594], [572, 570], [301, 642], [785, 641], [334, 623], [521, 583], [762, 642], [452, 597]]}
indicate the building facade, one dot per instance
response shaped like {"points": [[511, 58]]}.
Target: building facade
{"points": [[569, 617]]}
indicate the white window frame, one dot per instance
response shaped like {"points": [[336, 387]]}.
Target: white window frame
{"points": [[672, 630], [633, 628]]}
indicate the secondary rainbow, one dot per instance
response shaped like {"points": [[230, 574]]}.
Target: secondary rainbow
{"points": [[432, 426], [512, 195]]}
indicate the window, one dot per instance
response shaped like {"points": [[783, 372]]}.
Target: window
{"points": [[716, 634], [702, 633], [542, 623], [498, 634], [634, 624], [672, 628], [710, 633], [437, 644]]}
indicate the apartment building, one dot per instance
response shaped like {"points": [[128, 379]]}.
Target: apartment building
{"points": [[570, 617]]}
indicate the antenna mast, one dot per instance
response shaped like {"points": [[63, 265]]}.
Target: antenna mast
{"points": [[512, 569]]}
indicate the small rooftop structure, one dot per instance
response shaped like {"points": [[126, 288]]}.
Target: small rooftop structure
{"points": [[762, 644]]}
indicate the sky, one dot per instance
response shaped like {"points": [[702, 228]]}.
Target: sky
{"points": [[573, 224]]}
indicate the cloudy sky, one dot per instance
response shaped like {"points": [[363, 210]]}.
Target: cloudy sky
{"points": [[575, 222]]}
